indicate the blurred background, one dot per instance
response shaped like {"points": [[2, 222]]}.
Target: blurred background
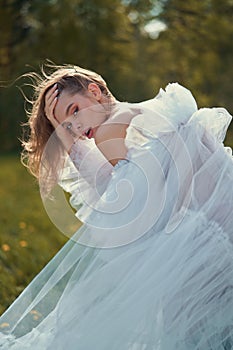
{"points": [[138, 46]]}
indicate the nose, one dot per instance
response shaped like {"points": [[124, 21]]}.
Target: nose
{"points": [[78, 126], [79, 130]]}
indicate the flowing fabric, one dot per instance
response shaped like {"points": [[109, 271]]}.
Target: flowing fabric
{"points": [[152, 266]]}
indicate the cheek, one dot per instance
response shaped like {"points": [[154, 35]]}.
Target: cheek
{"points": [[85, 115], [91, 114]]}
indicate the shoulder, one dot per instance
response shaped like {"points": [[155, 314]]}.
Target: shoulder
{"points": [[123, 112], [117, 123], [110, 136]]}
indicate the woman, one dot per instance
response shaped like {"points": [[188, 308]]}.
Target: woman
{"points": [[151, 268]]}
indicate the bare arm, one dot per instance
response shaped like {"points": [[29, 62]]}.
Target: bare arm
{"points": [[110, 140], [110, 136]]}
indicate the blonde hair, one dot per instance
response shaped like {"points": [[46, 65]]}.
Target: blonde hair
{"points": [[69, 78]]}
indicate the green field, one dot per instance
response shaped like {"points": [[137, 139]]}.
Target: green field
{"points": [[28, 239]]}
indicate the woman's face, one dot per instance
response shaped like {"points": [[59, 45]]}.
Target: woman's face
{"points": [[82, 114]]}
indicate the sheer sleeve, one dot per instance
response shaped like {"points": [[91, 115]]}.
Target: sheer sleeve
{"points": [[85, 176], [215, 121]]}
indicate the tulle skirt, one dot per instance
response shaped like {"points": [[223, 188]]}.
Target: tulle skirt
{"points": [[160, 282]]}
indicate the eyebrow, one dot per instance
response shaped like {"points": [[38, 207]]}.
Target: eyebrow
{"points": [[68, 108]]}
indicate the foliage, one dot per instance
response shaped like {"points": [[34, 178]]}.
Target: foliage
{"points": [[200, 41], [109, 36]]}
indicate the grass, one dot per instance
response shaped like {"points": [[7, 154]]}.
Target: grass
{"points": [[28, 239]]}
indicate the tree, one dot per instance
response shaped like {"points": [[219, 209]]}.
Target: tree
{"points": [[14, 31], [109, 36], [199, 40]]}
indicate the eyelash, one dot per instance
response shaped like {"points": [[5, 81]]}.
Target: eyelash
{"points": [[75, 112]]}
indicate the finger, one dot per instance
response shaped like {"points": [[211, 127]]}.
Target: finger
{"points": [[50, 103], [52, 109], [50, 95], [50, 98], [53, 103], [50, 92]]}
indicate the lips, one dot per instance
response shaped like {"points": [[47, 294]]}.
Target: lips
{"points": [[88, 133]]}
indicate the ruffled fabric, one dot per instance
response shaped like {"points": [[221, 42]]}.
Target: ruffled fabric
{"points": [[152, 266], [175, 103]]}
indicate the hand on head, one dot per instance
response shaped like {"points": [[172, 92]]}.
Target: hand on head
{"points": [[91, 102], [50, 103], [63, 131]]}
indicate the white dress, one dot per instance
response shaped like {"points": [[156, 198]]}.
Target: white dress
{"points": [[152, 266]]}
